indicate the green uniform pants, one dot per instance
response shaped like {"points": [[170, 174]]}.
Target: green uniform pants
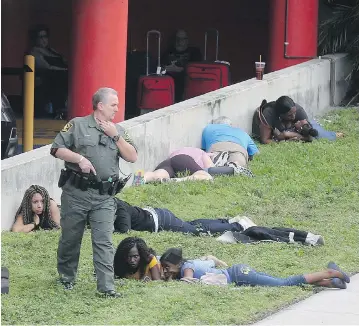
{"points": [[76, 207]]}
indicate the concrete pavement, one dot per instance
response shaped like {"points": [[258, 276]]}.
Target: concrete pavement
{"points": [[328, 307]]}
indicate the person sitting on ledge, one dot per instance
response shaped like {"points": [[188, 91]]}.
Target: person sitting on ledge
{"points": [[175, 267], [37, 211], [284, 119], [135, 260]]}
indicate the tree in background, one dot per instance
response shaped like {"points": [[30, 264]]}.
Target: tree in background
{"points": [[340, 33]]}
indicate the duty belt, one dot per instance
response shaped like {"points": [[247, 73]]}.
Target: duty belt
{"points": [[83, 181]]}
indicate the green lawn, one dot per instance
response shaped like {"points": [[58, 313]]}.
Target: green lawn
{"points": [[307, 186]]}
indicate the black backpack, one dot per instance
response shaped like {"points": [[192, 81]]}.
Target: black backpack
{"points": [[4, 280]]}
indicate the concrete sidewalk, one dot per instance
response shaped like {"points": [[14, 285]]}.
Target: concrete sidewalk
{"points": [[328, 307]]}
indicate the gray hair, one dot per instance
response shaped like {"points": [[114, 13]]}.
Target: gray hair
{"points": [[102, 95], [222, 120]]}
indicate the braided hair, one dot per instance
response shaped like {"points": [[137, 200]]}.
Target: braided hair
{"points": [[121, 267], [25, 208]]}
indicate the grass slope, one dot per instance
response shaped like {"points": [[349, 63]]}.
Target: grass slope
{"points": [[307, 186]]}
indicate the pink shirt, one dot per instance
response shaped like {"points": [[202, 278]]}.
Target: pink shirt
{"points": [[196, 153]]}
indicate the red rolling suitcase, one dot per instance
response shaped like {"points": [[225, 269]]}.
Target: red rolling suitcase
{"points": [[204, 77], [155, 91]]}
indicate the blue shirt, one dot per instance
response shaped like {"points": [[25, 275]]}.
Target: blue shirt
{"points": [[215, 133], [201, 267]]}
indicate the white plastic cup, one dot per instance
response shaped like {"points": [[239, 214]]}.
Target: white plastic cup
{"points": [[260, 70]]}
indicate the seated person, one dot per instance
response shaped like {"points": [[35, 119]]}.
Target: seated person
{"points": [[284, 119], [190, 159], [175, 267], [134, 260], [150, 219], [221, 136], [37, 211], [176, 58], [50, 70]]}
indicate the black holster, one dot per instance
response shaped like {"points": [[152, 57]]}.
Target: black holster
{"points": [[64, 176], [118, 185], [84, 183], [76, 179]]}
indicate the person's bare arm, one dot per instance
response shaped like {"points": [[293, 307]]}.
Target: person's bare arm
{"points": [[207, 162], [128, 152], [55, 212], [265, 134], [188, 276], [155, 273], [19, 225], [72, 157]]}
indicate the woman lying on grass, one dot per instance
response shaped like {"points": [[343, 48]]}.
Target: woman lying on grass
{"points": [[175, 267], [37, 211], [134, 260]]}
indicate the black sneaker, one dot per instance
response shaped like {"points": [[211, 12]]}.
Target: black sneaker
{"points": [[66, 285], [110, 294]]}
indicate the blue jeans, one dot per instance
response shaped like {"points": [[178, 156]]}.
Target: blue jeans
{"points": [[322, 133], [244, 275], [167, 221]]}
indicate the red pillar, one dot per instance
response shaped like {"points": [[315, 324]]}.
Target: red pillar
{"points": [[98, 53], [294, 21]]}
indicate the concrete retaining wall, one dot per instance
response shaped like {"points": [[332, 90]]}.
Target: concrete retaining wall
{"points": [[316, 85]]}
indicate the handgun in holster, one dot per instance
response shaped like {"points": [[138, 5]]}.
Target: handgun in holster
{"points": [[64, 176]]}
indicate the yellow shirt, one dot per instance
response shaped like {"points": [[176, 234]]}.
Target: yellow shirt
{"points": [[150, 265]]}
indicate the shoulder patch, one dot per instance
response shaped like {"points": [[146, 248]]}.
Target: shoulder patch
{"points": [[67, 127]]}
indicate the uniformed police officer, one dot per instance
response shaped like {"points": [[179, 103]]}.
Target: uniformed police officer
{"points": [[91, 147]]}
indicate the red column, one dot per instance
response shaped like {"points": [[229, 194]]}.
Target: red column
{"points": [[294, 22], [98, 53]]}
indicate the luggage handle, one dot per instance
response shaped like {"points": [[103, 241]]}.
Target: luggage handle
{"points": [[205, 42], [153, 31]]}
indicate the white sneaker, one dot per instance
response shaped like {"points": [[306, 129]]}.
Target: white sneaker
{"points": [[220, 159], [227, 237], [239, 169], [244, 221], [314, 239]]}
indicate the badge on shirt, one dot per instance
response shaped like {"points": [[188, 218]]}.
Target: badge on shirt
{"points": [[67, 127]]}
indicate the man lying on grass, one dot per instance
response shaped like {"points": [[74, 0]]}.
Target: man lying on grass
{"points": [[150, 219], [175, 267]]}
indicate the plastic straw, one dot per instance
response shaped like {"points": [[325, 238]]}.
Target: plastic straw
{"points": [[260, 58]]}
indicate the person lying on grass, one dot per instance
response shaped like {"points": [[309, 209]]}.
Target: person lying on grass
{"points": [[185, 160], [135, 260], [193, 161], [150, 219], [175, 267], [37, 211]]}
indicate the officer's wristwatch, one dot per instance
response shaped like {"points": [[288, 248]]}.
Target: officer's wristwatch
{"points": [[116, 138]]}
